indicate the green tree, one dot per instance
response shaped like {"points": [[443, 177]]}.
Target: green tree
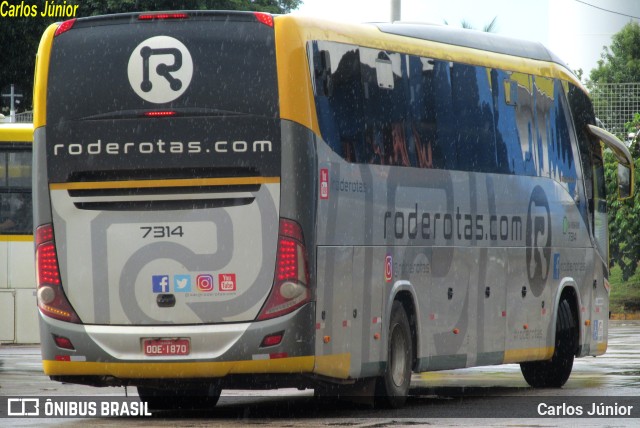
{"points": [[624, 220], [19, 37], [620, 63]]}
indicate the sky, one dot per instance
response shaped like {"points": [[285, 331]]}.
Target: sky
{"points": [[575, 30]]}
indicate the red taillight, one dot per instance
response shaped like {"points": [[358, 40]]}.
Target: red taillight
{"points": [[265, 18], [291, 283], [47, 264], [64, 27], [153, 16], [51, 299]]}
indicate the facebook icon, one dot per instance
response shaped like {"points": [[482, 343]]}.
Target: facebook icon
{"points": [[160, 283]]}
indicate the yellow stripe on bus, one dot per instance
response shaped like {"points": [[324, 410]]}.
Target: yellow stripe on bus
{"points": [[337, 365], [16, 238], [528, 354], [188, 182], [147, 370], [16, 132], [42, 77]]}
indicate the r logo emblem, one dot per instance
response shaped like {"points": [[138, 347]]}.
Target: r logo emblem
{"points": [[538, 237], [160, 69]]}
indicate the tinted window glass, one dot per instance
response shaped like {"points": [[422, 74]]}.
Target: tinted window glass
{"points": [[15, 191], [397, 109], [233, 63]]}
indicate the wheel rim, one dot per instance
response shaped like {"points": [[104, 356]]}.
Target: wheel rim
{"points": [[398, 356]]}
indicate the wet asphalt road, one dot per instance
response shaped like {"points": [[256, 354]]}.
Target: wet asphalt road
{"points": [[483, 396]]}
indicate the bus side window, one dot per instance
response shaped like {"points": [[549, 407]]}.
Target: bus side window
{"points": [[15, 192], [339, 96]]}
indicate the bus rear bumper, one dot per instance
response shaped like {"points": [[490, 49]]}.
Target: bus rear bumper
{"points": [[215, 350]]}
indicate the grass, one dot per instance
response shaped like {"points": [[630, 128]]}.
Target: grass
{"points": [[625, 295]]}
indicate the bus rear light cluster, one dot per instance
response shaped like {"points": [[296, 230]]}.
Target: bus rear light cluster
{"points": [[291, 283], [51, 299]]}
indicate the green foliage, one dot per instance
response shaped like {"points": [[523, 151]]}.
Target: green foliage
{"points": [[19, 37], [624, 218], [621, 62], [625, 294]]}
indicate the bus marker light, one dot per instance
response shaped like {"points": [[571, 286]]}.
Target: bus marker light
{"points": [[376, 336], [159, 113], [63, 358], [326, 339], [153, 16], [526, 326], [264, 18], [63, 342], [504, 314], [272, 339], [64, 27], [456, 331], [587, 323]]}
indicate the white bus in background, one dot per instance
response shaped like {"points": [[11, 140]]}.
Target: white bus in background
{"points": [[18, 311]]}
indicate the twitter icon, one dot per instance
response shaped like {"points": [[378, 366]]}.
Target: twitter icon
{"points": [[182, 283]]}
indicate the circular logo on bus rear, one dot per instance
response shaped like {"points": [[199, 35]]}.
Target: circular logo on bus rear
{"points": [[160, 69]]}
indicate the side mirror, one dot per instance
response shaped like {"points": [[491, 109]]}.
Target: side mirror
{"points": [[625, 161], [625, 182]]}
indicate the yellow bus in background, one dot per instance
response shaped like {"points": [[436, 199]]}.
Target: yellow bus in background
{"points": [[18, 311]]}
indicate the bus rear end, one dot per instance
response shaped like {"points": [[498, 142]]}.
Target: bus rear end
{"points": [[162, 256]]}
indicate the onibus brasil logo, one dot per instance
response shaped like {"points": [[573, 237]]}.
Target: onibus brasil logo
{"points": [[160, 69]]}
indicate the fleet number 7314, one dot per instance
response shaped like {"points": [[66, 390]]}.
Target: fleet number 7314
{"points": [[161, 231]]}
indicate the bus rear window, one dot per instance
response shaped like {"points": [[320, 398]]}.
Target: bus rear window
{"points": [[202, 66]]}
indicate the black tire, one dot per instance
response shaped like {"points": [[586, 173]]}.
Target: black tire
{"points": [[555, 372], [393, 386], [181, 396]]}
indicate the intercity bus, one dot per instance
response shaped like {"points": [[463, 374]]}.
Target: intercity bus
{"points": [[241, 200], [18, 317]]}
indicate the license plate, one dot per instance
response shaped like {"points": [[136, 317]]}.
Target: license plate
{"points": [[165, 347]]}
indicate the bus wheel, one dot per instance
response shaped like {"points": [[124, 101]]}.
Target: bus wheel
{"points": [[555, 372], [393, 386], [181, 396]]}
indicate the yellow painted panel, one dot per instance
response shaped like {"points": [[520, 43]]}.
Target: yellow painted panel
{"points": [[337, 365], [16, 238], [147, 370], [16, 132], [529, 354], [42, 77]]}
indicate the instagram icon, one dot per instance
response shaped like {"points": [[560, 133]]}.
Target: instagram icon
{"points": [[204, 282]]}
